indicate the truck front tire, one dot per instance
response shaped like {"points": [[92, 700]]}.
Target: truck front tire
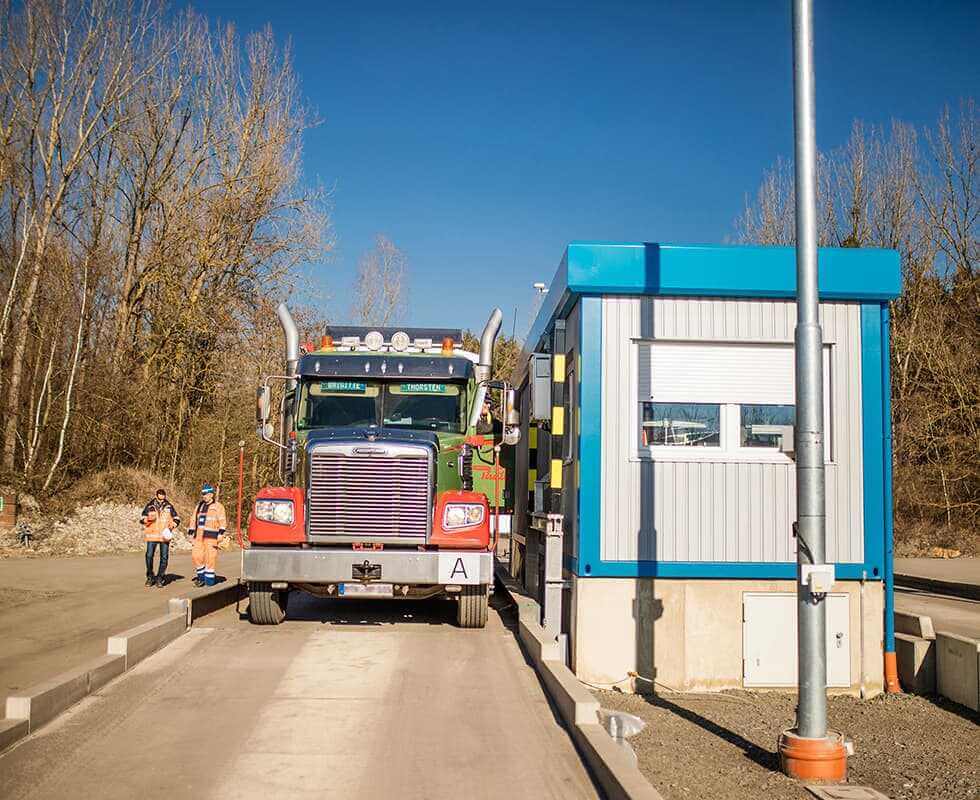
{"points": [[472, 606], [266, 606]]}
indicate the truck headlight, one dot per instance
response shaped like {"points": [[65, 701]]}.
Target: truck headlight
{"points": [[278, 511], [462, 515]]}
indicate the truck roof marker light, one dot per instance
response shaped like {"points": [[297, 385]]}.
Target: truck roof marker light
{"points": [[374, 340], [447, 346], [326, 342], [400, 341]]}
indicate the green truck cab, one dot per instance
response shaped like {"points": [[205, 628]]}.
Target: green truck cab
{"points": [[391, 484]]}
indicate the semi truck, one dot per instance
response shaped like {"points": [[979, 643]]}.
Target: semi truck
{"points": [[390, 474]]}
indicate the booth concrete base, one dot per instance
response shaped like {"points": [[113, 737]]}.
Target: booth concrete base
{"points": [[686, 634]]}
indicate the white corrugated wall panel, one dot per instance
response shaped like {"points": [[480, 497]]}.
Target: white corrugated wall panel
{"points": [[721, 510]]}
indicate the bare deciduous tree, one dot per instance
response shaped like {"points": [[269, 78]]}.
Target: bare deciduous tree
{"points": [[380, 291], [151, 206], [883, 190]]}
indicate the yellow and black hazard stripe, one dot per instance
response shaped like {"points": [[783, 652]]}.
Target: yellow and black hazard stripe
{"points": [[557, 438], [532, 460]]}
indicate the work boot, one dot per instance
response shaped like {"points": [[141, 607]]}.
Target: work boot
{"points": [[149, 580]]}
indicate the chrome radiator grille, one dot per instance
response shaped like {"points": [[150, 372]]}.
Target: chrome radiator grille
{"points": [[379, 492]]}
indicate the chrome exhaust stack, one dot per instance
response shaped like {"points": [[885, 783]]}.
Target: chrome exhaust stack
{"points": [[292, 341], [482, 369]]}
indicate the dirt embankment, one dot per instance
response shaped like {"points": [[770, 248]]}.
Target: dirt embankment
{"points": [[98, 514], [925, 540], [724, 745]]}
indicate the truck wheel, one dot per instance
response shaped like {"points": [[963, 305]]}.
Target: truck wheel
{"points": [[266, 606], [472, 609]]}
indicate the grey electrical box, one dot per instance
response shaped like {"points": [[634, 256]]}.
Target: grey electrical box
{"points": [[540, 495], [539, 378]]}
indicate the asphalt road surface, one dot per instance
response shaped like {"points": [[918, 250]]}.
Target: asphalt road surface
{"points": [[957, 615], [344, 700], [949, 614]]}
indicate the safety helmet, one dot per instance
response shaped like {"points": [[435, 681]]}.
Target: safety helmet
{"points": [[207, 488]]}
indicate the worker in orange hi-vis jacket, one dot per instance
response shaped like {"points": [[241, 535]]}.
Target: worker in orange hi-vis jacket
{"points": [[207, 526], [159, 519]]}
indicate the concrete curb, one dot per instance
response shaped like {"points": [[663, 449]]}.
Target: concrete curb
{"points": [[958, 669], [139, 642], [616, 774], [969, 591], [208, 601], [916, 658], [914, 625], [41, 703], [12, 730]]}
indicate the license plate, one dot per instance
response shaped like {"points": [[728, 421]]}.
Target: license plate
{"points": [[366, 590]]}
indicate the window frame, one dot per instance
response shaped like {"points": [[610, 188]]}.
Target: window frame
{"points": [[729, 449], [713, 448]]}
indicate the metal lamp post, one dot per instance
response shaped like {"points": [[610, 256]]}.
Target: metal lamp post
{"points": [[809, 751]]}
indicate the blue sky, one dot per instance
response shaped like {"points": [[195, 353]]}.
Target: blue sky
{"points": [[483, 138]]}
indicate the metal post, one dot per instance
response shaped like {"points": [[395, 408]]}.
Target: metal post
{"points": [[891, 659], [809, 751], [810, 489], [241, 481]]}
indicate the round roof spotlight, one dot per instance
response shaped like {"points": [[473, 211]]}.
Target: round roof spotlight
{"points": [[400, 341], [374, 340]]}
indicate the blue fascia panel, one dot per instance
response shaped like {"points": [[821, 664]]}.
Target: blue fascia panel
{"points": [[727, 271], [590, 435], [730, 570], [872, 405]]}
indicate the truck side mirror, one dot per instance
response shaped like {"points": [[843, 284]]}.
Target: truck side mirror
{"points": [[263, 404], [512, 417]]}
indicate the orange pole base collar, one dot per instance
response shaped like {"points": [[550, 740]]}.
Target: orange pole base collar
{"points": [[892, 685], [813, 759]]}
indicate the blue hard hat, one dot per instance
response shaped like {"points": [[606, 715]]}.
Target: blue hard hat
{"points": [[207, 488]]}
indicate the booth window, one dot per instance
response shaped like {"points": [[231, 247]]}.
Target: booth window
{"points": [[759, 425], [681, 424], [726, 400]]}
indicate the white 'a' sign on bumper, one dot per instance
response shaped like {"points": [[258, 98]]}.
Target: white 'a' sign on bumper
{"points": [[459, 568]]}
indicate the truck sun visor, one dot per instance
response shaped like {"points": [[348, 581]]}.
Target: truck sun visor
{"points": [[388, 366]]}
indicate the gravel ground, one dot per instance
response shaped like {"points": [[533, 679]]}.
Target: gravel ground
{"points": [[724, 745], [11, 598]]}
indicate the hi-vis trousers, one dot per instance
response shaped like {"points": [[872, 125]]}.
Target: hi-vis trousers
{"points": [[205, 557]]}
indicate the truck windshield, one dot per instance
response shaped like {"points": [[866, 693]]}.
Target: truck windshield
{"points": [[429, 406], [416, 405], [338, 404]]}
